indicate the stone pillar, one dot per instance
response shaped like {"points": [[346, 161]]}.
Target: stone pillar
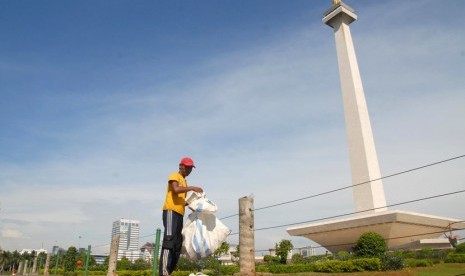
{"points": [[25, 267], [362, 152], [113, 255], [246, 237], [34, 267], [20, 268], [47, 265]]}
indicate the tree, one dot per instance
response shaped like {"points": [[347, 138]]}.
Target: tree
{"points": [[140, 264], [223, 249], [123, 264], [235, 255], [16, 258], [70, 259], [370, 244], [41, 257], [282, 250]]}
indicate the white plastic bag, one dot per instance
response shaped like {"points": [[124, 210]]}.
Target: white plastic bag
{"points": [[200, 203], [203, 233]]}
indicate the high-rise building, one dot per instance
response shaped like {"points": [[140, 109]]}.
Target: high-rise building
{"points": [[129, 238]]}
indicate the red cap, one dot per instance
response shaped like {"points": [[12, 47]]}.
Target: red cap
{"points": [[187, 161]]}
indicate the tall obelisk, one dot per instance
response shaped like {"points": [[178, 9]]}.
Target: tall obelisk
{"points": [[400, 229], [362, 152]]}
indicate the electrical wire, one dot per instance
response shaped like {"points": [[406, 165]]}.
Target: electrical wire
{"points": [[336, 190], [350, 186], [353, 213]]}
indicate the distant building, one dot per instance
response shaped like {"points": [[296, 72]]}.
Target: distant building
{"points": [[100, 259], [57, 249], [29, 251], [129, 238], [147, 251], [304, 251]]}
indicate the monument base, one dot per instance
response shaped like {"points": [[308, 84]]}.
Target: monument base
{"points": [[401, 229]]}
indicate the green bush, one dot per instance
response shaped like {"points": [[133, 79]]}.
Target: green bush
{"points": [[460, 248], [228, 269], [343, 255], [297, 259], [424, 253], [179, 273], [418, 262], [370, 244], [290, 268], [269, 260], [366, 264], [393, 261], [455, 258], [262, 268], [134, 272], [334, 266], [352, 265]]}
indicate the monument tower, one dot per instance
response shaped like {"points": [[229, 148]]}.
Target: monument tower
{"points": [[362, 152], [401, 229]]}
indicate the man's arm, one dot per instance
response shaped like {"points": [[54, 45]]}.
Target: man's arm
{"points": [[178, 189]]}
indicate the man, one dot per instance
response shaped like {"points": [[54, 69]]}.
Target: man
{"points": [[173, 214]]}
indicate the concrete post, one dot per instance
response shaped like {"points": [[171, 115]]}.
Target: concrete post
{"points": [[113, 255], [20, 268], [246, 237], [26, 263], [34, 266], [47, 265]]}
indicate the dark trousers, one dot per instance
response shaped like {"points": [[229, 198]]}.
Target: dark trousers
{"points": [[172, 241]]}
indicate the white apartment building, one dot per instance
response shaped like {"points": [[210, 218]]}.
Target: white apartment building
{"points": [[129, 238]]}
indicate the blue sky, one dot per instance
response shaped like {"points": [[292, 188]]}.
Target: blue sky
{"points": [[101, 99]]}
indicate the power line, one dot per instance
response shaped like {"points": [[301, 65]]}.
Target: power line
{"points": [[350, 186], [353, 213]]}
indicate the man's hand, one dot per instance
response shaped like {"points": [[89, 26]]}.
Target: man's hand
{"points": [[197, 189]]}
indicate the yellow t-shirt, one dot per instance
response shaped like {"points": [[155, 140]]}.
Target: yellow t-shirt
{"points": [[175, 201]]}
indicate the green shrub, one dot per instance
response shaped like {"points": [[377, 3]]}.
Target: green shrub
{"points": [[418, 262], [334, 266], [262, 268], [228, 269], [366, 264], [460, 248], [269, 260], [353, 265], [424, 253], [393, 261], [370, 244], [134, 272], [424, 263], [297, 259], [455, 258], [343, 255], [179, 273], [290, 268]]}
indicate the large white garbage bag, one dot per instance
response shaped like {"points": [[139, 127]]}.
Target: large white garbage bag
{"points": [[203, 233]]}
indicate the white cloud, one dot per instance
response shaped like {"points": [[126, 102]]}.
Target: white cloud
{"points": [[12, 234]]}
